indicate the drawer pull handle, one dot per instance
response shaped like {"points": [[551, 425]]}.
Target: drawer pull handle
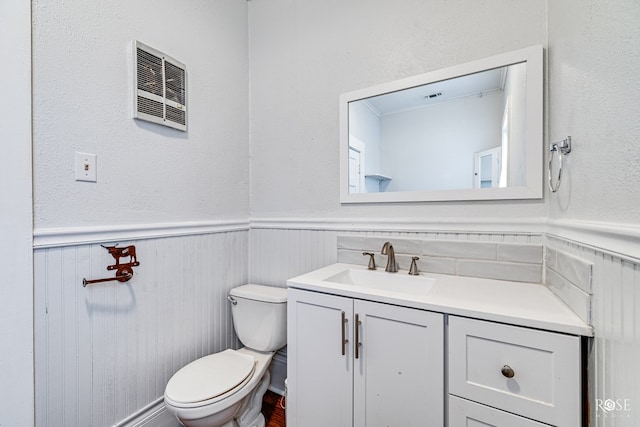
{"points": [[507, 371]]}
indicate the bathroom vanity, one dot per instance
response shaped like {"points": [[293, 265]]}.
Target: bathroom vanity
{"points": [[370, 348]]}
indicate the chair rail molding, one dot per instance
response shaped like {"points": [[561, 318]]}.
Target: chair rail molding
{"points": [[466, 225], [71, 236], [619, 239]]}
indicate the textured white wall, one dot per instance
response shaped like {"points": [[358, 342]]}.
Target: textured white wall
{"points": [[81, 96], [16, 284], [305, 54], [593, 91], [593, 85]]}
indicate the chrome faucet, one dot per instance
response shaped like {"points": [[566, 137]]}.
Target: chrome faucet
{"points": [[387, 249]]}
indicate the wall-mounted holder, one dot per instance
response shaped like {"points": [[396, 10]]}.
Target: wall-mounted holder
{"points": [[563, 148], [124, 271]]}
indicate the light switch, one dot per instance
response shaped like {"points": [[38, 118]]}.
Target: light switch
{"points": [[86, 167]]}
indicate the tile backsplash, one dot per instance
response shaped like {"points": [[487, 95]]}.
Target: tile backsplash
{"points": [[570, 277], [520, 262]]}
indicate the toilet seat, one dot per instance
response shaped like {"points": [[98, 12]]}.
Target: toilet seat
{"points": [[210, 379]]}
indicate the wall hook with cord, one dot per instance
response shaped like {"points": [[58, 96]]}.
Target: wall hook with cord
{"points": [[562, 148]]}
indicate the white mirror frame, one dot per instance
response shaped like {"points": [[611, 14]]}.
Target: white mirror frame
{"points": [[533, 189]]}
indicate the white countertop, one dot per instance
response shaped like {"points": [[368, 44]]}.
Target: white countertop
{"points": [[524, 304]]}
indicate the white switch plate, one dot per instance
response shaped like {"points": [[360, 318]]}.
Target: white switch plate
{"points": [[86, 167]]}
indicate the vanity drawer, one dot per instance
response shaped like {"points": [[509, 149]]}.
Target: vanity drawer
{"points": [[465, 413], [524, 371]]}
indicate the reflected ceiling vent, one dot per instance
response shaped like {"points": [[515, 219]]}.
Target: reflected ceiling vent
{"points": [[160, 83], [433, 95]]}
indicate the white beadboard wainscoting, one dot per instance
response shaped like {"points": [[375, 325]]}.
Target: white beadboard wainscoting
{"points": [[104, 353], [276, 255]]}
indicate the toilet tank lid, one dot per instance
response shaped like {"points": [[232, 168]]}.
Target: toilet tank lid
{"points": [[260, 293]]}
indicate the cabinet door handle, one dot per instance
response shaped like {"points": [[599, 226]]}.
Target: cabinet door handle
{"points": [[343, 327], [357, 328], [507, 371]]}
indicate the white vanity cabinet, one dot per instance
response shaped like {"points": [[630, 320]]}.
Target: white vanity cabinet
{"points": [[502, 375], [433, 350], [359, 363]]}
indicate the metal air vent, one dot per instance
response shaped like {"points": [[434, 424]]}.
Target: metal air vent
{"points": [[160, 88]]}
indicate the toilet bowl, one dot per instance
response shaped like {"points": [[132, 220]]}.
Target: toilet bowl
{"points": [[225, 389], [204, 406]]}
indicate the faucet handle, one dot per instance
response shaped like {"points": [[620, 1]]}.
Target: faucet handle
{"points": [[413, 270], [372, 261]]}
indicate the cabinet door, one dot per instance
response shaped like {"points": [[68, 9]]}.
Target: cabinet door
{"points": [[464, 413], [399, 372], [319, 375]]}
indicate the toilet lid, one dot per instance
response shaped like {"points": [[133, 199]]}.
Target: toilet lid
{"points": [[210, 376]]}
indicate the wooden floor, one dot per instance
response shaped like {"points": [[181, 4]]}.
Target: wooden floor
{"points": [[272, 411]]}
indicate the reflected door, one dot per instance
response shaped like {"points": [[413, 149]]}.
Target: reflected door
{"points": [[486, 168], [356, 166]]}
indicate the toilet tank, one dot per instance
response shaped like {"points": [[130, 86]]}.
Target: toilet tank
{"points": [[260, 316]]}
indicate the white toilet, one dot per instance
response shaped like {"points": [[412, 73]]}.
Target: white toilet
{"points": [[226, 389]]}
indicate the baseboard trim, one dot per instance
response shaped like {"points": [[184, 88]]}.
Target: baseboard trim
{"points": [[72, 236], [149, 416]]}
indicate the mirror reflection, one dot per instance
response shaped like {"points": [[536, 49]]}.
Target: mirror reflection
{"points": [[467, 132], [472, 131]]}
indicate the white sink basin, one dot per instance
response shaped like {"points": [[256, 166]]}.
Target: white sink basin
{"points": [[394, 282]]}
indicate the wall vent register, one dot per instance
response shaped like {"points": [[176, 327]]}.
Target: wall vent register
{"points": [[160, 88]]}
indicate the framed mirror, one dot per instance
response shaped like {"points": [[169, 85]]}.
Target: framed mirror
{"points": [[468, 132]]}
